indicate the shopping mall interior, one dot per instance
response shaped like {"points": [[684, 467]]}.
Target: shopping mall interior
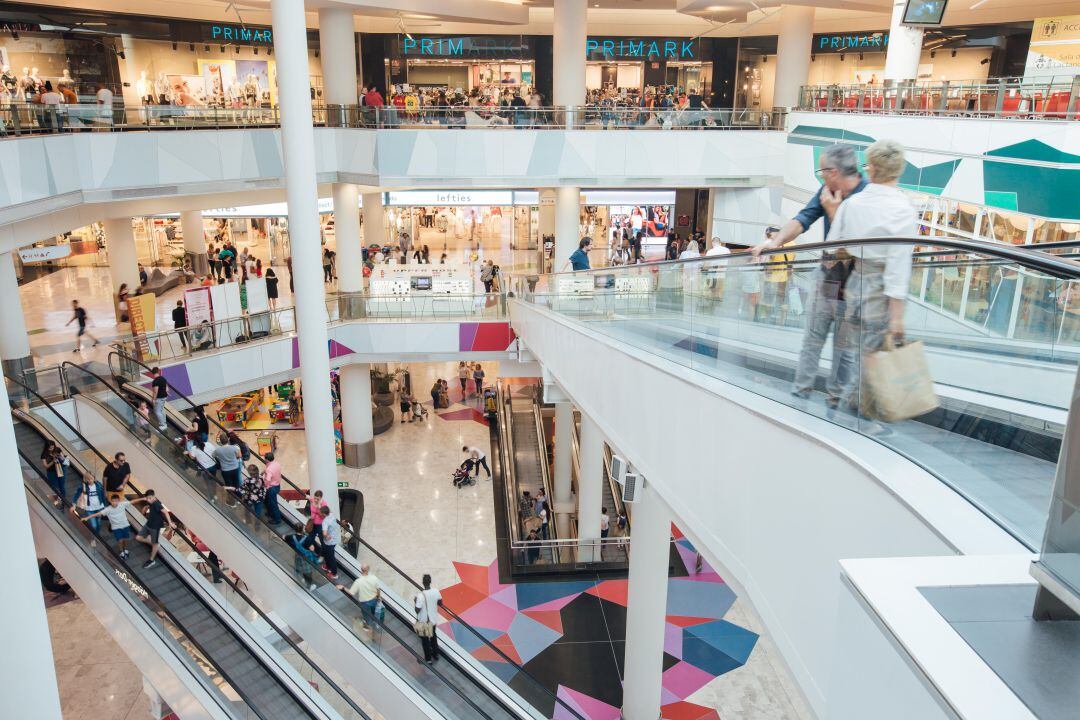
{"points": [[541, 359]]}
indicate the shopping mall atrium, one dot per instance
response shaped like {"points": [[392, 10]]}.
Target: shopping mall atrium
{"points": [[541, 359]]}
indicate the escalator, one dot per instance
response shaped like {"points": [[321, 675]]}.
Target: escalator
{"points": [[252, 679], [386, 665]]}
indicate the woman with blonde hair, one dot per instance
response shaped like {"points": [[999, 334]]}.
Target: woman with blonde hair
{"points": [[877, 288]]}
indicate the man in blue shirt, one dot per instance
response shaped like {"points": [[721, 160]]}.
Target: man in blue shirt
{"points": [[839, 172], [579, 259]]}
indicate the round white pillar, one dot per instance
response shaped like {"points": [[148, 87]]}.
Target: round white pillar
{"points": [[563, 500], [374, 220], [298, 148], [123, 257], [793, 49], [905, 48], [350, 257], [191, 222], [29, 673], [568, 52], [358, 436], [14, 342], [646, 610], [337, 44], [590, 489], [567, 225]]}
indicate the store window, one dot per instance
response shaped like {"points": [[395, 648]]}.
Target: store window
{"points": [[29, 58], [487, 68], [756, 72]]}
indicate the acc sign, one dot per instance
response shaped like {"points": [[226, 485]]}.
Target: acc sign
{"points": [[42, 254]]}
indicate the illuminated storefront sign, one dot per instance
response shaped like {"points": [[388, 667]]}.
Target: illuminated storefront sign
{"points": [[851, 42], [640, 49], [222, 33], [466, 46]]}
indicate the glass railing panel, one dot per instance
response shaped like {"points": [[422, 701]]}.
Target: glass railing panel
{"points": [[722, 318]]}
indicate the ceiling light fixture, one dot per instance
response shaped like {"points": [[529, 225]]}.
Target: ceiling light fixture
{"points": [[206, 48], [933, 54], [14, 35], [954, 53], [256, 51]]}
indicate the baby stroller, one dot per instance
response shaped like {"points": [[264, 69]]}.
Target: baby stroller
{"points": [[463, 476], [419, 412]]}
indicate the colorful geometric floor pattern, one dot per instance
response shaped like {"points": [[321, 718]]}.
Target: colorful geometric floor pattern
{"points": [[570, 635]]}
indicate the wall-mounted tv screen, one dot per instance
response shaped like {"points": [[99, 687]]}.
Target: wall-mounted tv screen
{"points": [[421, 282], [924, 12]]}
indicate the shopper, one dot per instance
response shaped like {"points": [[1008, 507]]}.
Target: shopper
{"points": [[478, 379], [839, 170], [405, 405], [315, 508], [717, 249], [579, 259], [142, 420], [367, 591], [463, 378], [160, 389], [179, 319], [116, 513], [203, 454], [271, 288], [56, 465], [327, 265], [202, 425], [88, 500], [272, 481], [228, 462], [426, 602], [486, 275], [253, 490], [692, 252], [122, 302], [605, 523], [78, 316], [479, 459], [116, 475], [877, 287], [331, 531], [157, 517]]}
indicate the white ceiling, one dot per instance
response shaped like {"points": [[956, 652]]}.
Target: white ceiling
{"points": [[613, 17]]}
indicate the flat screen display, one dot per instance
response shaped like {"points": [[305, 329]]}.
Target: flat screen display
{"points": [[420, 283], [603, 282], [924, 12]]}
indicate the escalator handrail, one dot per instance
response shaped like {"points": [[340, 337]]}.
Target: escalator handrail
{"points": [[202, 556], [1033, 259], [65, 504], [453, 615], [213, 478]]}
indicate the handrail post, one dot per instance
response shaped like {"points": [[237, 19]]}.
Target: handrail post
{"points": [[999, 104], [1073, 109]]}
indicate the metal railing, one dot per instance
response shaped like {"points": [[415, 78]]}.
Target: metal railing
{"points": [[20, 119], [1052, 99], [179, 344]]}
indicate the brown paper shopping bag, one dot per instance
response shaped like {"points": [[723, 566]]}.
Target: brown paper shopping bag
{"points": [[896, 382]]}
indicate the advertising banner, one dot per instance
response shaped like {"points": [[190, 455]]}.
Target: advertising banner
{"points": [[141, 312], [44, 254], [199, 308]]}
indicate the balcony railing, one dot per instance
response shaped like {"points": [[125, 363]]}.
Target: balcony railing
{"points": [[1052, 99], [17, 120]]}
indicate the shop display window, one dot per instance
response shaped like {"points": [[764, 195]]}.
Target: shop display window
{"points": [[69, 64]]}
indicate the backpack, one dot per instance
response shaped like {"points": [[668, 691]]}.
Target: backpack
{"points": [[245, 451]]}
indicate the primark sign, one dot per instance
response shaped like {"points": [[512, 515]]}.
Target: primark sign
{"points": [[624, 48], [850, 42]]}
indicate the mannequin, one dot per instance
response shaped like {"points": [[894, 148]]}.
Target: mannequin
{"points": [[163, 89], [65, 77], [251, 90], [26, 86], [35, 76], [145, 88]]}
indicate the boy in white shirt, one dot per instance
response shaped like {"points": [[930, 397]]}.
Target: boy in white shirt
{"points": [[116, 513]]}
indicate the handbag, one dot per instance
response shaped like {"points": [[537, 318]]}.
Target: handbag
{"points": [[424, 628], [896, 382]]}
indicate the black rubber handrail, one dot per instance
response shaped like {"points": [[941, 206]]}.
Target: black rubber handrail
{"points": [[214, 478], [188, 542], [1034, 259], [66, 505], [476, 633]]}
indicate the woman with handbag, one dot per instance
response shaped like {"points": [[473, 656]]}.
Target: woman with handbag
{"points": [[426, 603]]}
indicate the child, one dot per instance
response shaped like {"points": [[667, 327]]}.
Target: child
{"points": [[305, 559], [419, 411], [116, 513]]}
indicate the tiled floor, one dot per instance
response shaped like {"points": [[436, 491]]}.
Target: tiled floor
{"points": [[97, 680]]}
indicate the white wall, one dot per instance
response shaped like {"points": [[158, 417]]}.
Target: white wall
{"points": [[774, 496]]}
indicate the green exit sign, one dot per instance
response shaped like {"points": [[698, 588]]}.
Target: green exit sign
{"points": [[342, 484]]}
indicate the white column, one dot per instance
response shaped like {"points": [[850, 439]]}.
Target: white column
{"points": [[792, 54], [14, 342], [191, 222], [563, 500], [374, 220], [358, 437], [567, 225], [905, 48], [568, 49], [123, 258], [301, 192], [646, 611], [350, 256], [590, 490], [337, 43], [30, 672]]}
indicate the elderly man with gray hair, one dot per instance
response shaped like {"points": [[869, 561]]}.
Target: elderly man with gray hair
{"points": [[877, 287], [838, 169], [367, 590]]}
